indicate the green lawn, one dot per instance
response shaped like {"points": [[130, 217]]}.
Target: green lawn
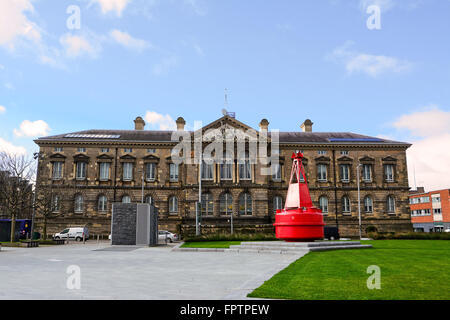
{"points": [[410, 269], [210, 244]]}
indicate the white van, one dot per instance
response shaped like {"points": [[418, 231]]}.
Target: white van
{"points": [[72, 233]]}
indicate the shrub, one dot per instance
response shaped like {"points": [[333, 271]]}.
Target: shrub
{"points": [[371, 229], [232, 237], [410, 236]]}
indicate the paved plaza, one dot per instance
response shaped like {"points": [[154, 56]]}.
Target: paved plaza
{"points": [[134, 273]]}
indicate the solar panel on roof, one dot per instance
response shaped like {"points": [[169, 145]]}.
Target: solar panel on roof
{"points": [[355, 140], [93, 136]]}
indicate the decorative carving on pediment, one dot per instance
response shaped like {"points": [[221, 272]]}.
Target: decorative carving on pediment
{"points": [[57, 156], [345, 159], [389, 159], [367, 159]]}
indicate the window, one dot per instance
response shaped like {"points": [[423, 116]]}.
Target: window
{"points": [[127, 171], [276, 172], [322, 152], [207, 171], [437, 211], [58, 149], [173, 172], [81, 150], [126, 199], [149, 200], [346, 205], [151, 151], [245, 172], [390, 204], [245, 204], [345, 172], [436, 199], [345, 153], [81, 170], [322, 172], [104, 171], [368, 204], [128, 150], [105, 150], [226, 170], [56, 205], [173, 205], [389, 172], [226, 204], [367, 173], [79, 203], [207, 204], [150, 171], [57, 170], [102, 203], [323, 204], [277, 203]]}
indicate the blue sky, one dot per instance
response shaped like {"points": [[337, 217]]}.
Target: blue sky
{"points": [[281, 60]]}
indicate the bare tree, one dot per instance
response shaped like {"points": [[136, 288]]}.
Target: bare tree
{"points": [[50, 204], [16, 190]]}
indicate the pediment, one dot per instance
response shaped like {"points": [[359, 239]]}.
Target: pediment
{"points": [[105, 157], [345, 158], [151, 157], [367, 159], [227, 123], [128, 157], [323, 159], [81, 157], [389, 159], [57, 156]]}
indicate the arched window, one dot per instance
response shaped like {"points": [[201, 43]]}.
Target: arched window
{"points": [[226, 204], [323, 204], [173, 205], [368, 204], [79, 203], [126, 199], [245, 204], [102, 203], [390, 204], [207, 204], [277, 203], [149, 200], [346, 205]]}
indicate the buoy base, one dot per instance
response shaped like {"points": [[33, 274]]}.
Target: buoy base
{"points": [[299, 225]]}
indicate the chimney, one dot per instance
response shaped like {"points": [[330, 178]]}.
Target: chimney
{"points": [[180, 124], [139, 124], [307, 126], [264, 125]]}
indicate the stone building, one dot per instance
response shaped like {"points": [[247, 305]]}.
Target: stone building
{"points": [[91, 170]]}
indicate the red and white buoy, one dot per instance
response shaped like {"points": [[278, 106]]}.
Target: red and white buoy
{"points": [[299, 221]]}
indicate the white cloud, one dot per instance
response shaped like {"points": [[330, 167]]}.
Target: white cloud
{"points": [[199, 50], [78, 45], [9, 148], [112, 5], [196, 6], [2, 109], [372, 65], [429, 156], [128, 41], [160, 121], [15, 25], [32, 129], [165, 65]]}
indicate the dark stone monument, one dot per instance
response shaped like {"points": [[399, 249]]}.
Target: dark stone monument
{"points": [[134, 224]]}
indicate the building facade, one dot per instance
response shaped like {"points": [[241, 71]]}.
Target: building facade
{"points": [[88, 171], [430, 211]]}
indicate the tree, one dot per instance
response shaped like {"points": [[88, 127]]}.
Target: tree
{"points": [[50, 204], [16, 190]]}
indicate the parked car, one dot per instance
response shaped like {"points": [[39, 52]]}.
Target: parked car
{"points": [[163, 235], [331, 233], [73, 233]]}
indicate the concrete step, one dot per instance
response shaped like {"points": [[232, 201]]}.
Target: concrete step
{"points": [[278, 244], [324, 248], [268, 248], [257, 251]]}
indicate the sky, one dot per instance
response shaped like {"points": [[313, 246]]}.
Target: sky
{"points": [[374, 67]]}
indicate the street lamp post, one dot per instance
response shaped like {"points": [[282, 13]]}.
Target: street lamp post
{"points": [[359, 198]]}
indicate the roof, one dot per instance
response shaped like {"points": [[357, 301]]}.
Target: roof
{"points": [[142, 136]]}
